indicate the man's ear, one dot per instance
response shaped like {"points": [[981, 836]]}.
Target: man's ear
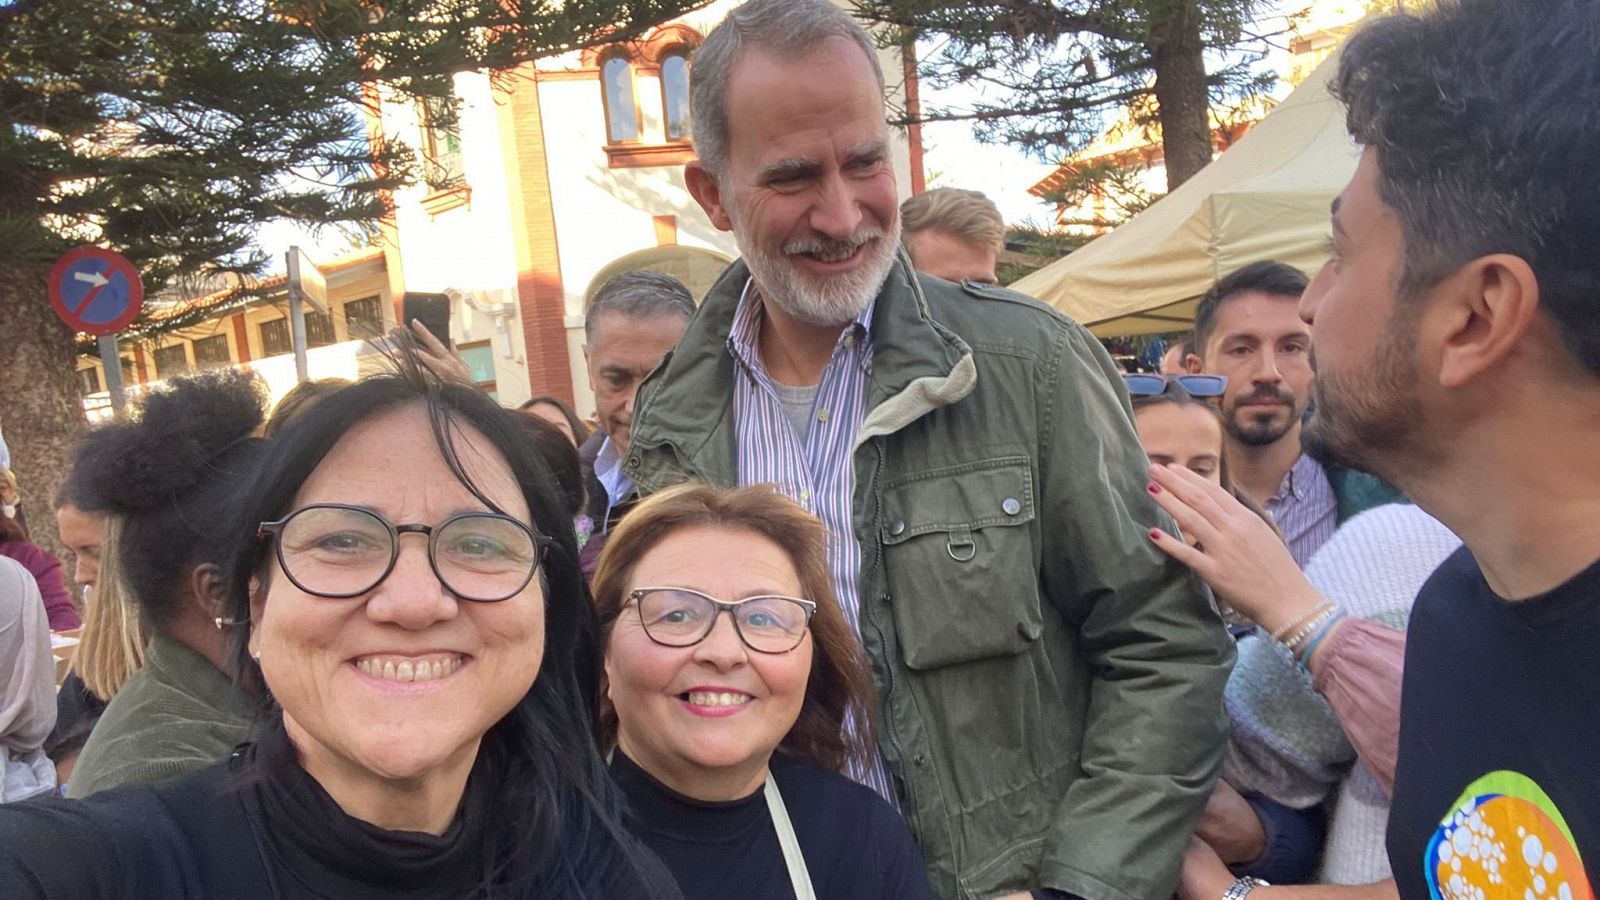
{"points": [[1192, 363], [707, 192], [1483, 312]]}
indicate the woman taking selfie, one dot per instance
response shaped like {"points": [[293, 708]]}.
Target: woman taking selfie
{"points": [[730, 730], [408, 606]]}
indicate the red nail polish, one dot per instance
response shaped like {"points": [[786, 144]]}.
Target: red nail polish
{"points": [[1155, 534], [1154, 488]]}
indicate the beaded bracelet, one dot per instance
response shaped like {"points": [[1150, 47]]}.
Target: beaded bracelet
{"points": [[1310, 628], [1297, 623], [1242, 888], [1304, 656]]}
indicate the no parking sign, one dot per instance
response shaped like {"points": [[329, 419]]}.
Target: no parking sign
{"points": [[95, 290]]}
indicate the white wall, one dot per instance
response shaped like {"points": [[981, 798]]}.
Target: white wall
{"points": [[469, 248]]}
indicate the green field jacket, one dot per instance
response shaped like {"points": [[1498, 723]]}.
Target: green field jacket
{"points": [[176, 715], [1049, 683]]}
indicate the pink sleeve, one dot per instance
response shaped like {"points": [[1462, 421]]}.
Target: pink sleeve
{"points": [[1357, 668]]}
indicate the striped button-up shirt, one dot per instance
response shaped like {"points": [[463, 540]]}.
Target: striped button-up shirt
{"points": [[1305, 509], [815, 469]]}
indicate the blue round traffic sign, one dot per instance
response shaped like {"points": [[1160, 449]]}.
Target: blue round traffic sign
{"points": [[95, 290]]}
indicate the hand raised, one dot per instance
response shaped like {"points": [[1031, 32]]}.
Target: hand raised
{"points": [[444, 362], [1241, 557]]}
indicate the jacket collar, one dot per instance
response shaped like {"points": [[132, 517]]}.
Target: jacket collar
{"points": [[918, 365], [175, 665]]}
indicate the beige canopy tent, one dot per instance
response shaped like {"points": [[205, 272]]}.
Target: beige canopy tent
{"points": [[1266, 197]]}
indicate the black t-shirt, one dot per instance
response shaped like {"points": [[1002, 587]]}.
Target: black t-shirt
{"points": [[1497, 794], [855, 845]]}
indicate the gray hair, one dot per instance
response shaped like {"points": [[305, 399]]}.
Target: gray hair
{"points": [[639, 295], [785, 28]]}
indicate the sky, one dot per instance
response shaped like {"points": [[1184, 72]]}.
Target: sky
{"points": [[953, 158]]}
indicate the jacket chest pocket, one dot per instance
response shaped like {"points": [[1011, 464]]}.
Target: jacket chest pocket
{"points": [[960, 564]]}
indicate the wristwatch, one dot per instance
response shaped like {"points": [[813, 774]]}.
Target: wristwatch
{"points": [[1242, 888]]}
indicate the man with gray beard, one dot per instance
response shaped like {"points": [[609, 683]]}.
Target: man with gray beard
{"points": [[1049, 684]]}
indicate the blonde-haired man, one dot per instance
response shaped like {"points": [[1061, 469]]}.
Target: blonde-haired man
{"points": [[953, 234]]}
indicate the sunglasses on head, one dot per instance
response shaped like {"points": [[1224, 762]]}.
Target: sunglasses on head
{"points": [[1149, 384]]}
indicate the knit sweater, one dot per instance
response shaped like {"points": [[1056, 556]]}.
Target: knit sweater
{"points": [[1287, 743]]}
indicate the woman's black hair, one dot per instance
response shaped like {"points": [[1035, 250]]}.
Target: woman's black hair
{"points": [[556, 815], [565, 465], [580, 431], [170, 471]]}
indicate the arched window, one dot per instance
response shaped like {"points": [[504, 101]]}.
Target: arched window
{"points": [[675, 93], [443, 168], [622, 116]]}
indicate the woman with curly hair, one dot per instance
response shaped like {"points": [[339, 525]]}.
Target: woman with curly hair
{"points": [[169, 474]]}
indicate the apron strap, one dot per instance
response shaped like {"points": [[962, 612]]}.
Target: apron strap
{"points": [[799, 877]]}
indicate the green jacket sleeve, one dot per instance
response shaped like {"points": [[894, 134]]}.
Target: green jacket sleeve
{"points": [[1159, 655]]}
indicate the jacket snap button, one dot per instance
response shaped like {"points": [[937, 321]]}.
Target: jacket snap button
{"points": [[920, 760], [1011, 506], [633, 460], [897, 528]]}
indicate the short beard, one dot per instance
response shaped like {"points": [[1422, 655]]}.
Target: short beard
{"points": [[1262, 433], [1259, 434], [1364, 422], [834, 301]]}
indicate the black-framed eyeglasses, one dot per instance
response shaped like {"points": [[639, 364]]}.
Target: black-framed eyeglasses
{"points": [[1149, 384], [681, 617], [340, 551]]}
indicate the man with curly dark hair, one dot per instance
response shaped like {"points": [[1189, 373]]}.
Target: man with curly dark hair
{"points": [[1457, 336]]}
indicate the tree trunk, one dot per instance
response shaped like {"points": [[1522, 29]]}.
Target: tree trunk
{"points": [[1178, 57], [40, 411]]}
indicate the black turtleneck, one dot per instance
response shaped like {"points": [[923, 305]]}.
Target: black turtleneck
{"points": [[258, 827], [855, 845], [314, 849]]}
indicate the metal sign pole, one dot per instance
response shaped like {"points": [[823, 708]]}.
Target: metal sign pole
{"points": [[297, 334], [112, 362], [297, 315], [306, 284]]}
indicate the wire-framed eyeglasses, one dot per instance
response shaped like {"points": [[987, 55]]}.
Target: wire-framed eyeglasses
{"points": [[340, 551], [1149, 384], [681, 617]]}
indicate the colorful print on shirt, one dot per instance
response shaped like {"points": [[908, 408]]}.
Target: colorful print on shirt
{"points": [[1504, 839]]}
